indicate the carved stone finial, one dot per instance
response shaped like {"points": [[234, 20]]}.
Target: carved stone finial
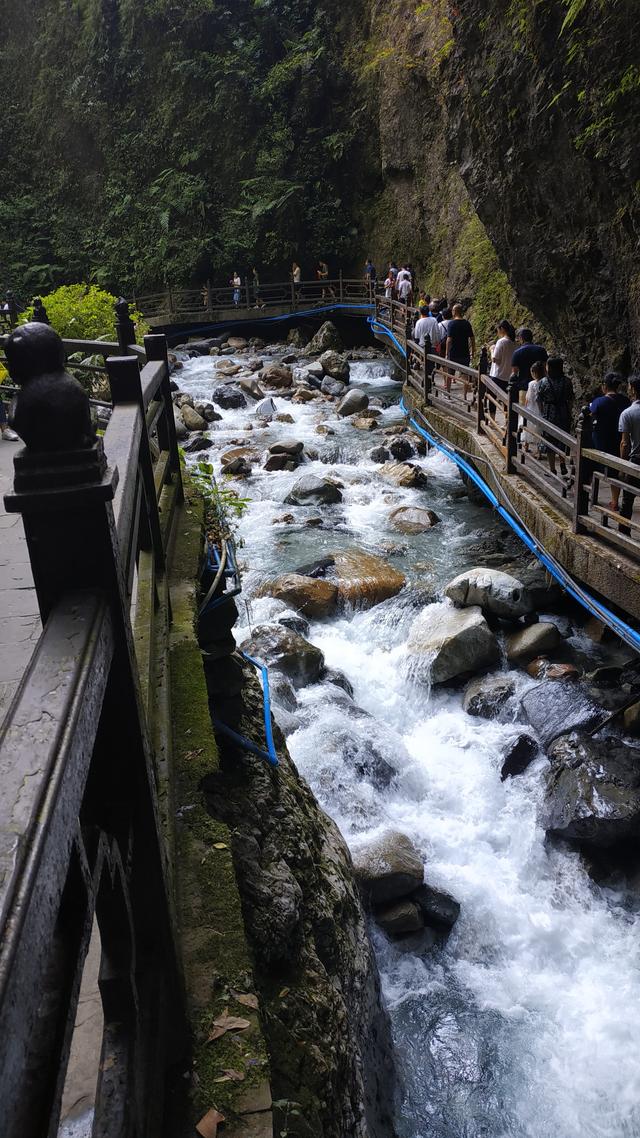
{"points": [[39, 312], [125, 328], [51, 412]]}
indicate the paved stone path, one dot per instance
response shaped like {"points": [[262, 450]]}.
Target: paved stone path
{"points": [[20, 624]]}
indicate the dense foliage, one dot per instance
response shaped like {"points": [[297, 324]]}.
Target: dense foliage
{"points": [[81, 312], [158, 142]]}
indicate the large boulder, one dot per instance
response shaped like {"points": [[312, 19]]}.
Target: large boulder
{"points": [[228, 396], [331, 386], [327, 338], [399, 918], [297, 337], [404, 474], [292, 447], [449, 643], [400, 448], [497, 593], [363, 579], [335, 365], [278, 376], [285, 651], [439, 909], [353, 402], [252, 388], [191, 419], [388, 867], [238, 343], [536, 640], [313, 596], [554, 709], [592, 794], [412, 519], [310, 488], [487, 695]]}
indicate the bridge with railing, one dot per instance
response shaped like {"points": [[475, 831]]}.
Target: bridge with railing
{"points": [[565, 502], [212, 305]]}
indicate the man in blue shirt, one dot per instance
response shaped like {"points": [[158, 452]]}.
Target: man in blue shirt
{"points": [[524, 356], [606, 410]]}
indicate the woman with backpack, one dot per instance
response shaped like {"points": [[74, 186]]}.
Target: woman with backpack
{"points": [[555, 396]]}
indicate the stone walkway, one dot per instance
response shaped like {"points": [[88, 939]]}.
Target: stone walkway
{"points": [[20, 624]]}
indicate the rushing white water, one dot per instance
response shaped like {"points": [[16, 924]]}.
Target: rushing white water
{"points": [[524, 1024]]}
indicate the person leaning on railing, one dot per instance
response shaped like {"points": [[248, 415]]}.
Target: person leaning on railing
{"points": [[629, 427]]}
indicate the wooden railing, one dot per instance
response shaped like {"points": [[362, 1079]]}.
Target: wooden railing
{"points": [[175, 306], [82, 750], [564, 468]]}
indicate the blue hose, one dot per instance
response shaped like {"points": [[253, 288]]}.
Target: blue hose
{"points": [[271, 755], [200, 328]]}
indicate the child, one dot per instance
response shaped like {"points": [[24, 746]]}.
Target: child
{"points": [[537, 373]]}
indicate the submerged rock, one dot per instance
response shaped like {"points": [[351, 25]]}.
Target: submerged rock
{"points": [[495, 592], [593, 791], [286, 652], [450, 642], [413, 519], [487, 695], [311, 488], [388, 867], [313, 596]]}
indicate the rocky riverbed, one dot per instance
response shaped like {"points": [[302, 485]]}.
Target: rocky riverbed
{"points": [[428, 678]]}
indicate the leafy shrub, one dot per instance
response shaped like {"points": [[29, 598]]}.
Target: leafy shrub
{"points": [[83, 312]]}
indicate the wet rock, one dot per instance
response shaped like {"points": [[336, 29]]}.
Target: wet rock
{"points": [[277, 375], [238, 343], [388, 867], [229, 397], [315, 370], [404, 474], [363, 757], [314, 596], [495, 592], [252, 388], [331, 386], [254, 363], [227, 367], [379, 454], [556, 709], [336, 365], [297, 338], [311, 488], [413, 519], [287, 652], [401, 449], [191, 419], [354, 401], [283, 519], [284, 417], [280, 462], [535, 640], [543, 668], [327, 338], [292, 448], [248, 453], [399, 918], [631, 719], [592, 794], [448, 643], [365, 580], [282, 692], [181, 430], [202, 347], [518, 756], [542, 588], [210, 414], [238, 467], [198, 442], [290, 358], [302, 396], [295, 622], [266, 409], [487, 695], [362, 424], [324, 429], [439, 909], [338, 678]]}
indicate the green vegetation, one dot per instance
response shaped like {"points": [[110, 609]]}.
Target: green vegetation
{"points": [[83, 312], [493, 297]]}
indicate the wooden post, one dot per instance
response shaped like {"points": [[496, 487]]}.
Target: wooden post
{"points": [[584, 469], [427, 369], [480, 405], [512, 424]]}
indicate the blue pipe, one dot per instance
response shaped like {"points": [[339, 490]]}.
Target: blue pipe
{"points": [[620, 627], [200, 328], [271, 755]]}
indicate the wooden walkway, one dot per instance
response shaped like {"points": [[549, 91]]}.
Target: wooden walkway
{"points": [[20, 625]]}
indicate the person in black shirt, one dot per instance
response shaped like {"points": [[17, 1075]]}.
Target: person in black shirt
{"points": [[524, 357], [555, 396], [606, 410], [461, 341]]}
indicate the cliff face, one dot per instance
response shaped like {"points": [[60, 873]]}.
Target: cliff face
{"points": [[490, 143]]}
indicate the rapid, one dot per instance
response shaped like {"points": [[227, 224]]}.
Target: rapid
{"points": [[524, 1023]]}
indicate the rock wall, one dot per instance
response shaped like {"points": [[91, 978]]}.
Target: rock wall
{"points": [[328, 1037]]}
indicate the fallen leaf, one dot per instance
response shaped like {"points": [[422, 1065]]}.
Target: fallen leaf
{"points": [[208, 1124], [248, 999], [220, 846], [223, 1079], [225, 1023], [236, 1076], [283, 993]]}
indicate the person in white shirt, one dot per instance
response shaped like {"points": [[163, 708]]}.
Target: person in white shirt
{"points": [[404, 289], [427, 326], [502, 353]]}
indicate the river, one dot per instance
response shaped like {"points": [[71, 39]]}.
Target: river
{"points": [[524, 1024]]}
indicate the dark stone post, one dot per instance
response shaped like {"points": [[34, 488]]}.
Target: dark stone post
{"points": [[512, 424], [125, 328], [156, 348], [584, 469], [39, 312]]}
